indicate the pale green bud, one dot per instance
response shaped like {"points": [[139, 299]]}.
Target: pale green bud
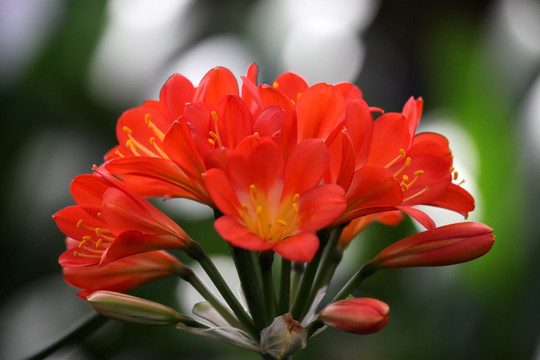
{"points": [[133, 309]]}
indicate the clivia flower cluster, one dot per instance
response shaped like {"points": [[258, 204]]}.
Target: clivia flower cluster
{"points": [[289, 169]]}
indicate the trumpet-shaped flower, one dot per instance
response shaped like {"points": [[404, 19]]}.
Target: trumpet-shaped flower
{"points": [[110, 222], [269, 202], [120, 275]]}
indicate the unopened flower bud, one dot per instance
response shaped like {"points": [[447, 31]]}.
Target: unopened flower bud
{"points": [[133, 309], [445, 245], [358, 315]]}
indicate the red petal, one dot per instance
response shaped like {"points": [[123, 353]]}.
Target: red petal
{"points": [[349, 91], [68, 218], [217, 83], [359, 124], [372, 187], [269, 122], [290, 84], [133, 242], [176, 92], [455, 198], [342, 160], [390, 135], [88, 190], [256, 161], [318, 111], [221, 192], [320, 206], [305, 166], [234, 121], [155, 177], [413, 111], [230, 228], [122, 275], [141, 127], [298, 248], [419, 216], [180, 147], [124, 212]]}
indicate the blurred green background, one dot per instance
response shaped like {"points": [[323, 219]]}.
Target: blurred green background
{"points": [[69, 68]]}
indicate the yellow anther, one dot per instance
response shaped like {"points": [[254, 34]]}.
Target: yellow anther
{"points": [[245, 206], [252, 188], [99, 242], [298, 96], [127, 130], [408, 161], [402, 153], [215, 116], [295, 207], [455, 175], [152, 140], [419, 172], [98, 232], [296, 197], [258, 210], [100, 215], [275, 85], [147, 120], [405, 178], [397, 158], [282, 222], [212, 142], [81, 244], [79, 223], [87, 238]]}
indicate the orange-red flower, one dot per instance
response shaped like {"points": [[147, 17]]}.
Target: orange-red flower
{"points": [[446, 245], [269, 202], [358, 315], [384, 165], [160, 152], [120, 275], [109, 222]]}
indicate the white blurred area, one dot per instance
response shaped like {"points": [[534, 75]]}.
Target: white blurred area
{"points": [[24, 27], [146, 41]]}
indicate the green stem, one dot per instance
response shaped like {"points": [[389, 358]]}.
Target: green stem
{"points": [[188, 275], [326, 268], [285, 286], [75, 334], [297, 272], [266, 259], [306, 282], [364, 272], [197, 253], [247, 273]]}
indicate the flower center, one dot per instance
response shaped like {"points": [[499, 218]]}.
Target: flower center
{"points": [[267, 217], [406, 182], [93, 246], [139, 149]]}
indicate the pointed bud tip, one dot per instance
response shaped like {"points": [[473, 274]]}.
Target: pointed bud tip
{"points": [[358, 315]]}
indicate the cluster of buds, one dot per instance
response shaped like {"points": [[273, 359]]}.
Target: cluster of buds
{"points": [[289, 169]]}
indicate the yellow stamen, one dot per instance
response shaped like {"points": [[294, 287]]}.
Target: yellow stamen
{"points": [[415, 195], [282, 222], [153, 127], [395, 160], [275, 85]]}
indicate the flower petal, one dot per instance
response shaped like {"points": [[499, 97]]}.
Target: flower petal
{"points": [[320, 206], [176, 92], [230, 228], [299, 248], [318, 111]]}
